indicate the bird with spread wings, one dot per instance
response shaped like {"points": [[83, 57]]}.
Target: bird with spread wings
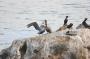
{"points": [[40, 28]]}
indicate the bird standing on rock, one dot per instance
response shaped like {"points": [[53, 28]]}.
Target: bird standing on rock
{"points": [[85, 24], [66, 20], [64, 25], [69, 26], [40, 28]]}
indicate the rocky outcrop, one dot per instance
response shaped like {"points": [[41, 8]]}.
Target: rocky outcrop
{"points": [[56, 45], [85, 36]]}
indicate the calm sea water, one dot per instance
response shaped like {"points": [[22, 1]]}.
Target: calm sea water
{"points": [[16, 14]]}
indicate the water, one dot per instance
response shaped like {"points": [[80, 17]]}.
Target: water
{"points": [[16, 14]]}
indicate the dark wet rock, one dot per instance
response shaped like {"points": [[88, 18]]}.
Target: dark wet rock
{"points": [[71, 33], [58, 49], [23, 50], [4, 54]]}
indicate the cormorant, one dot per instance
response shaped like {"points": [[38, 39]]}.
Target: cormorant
{"points": [[41, 28], [66, 20], [64, 25], [85, 24], [69, 26]]}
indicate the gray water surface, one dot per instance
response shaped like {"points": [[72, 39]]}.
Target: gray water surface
{"points": [[16, 14]]}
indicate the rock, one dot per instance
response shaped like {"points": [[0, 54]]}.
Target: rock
{"points": [[85, 35], [49, 46], [71, 33]]}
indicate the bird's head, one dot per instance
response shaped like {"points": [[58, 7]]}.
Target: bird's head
{"points": [[66, 16], [44, 23], [85, 19]]}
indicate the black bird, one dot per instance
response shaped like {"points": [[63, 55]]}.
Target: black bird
{"points": [[85, 24], [41, 28], [66, 20], [70, 25]]}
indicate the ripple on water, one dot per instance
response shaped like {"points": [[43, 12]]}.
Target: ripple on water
{"points": [[71, 4], [1, 33], [1, 1], [49, 11], [76, 5], [2, 6]]}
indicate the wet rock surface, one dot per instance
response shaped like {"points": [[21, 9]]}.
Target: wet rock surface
{"points": [[50, 46]]}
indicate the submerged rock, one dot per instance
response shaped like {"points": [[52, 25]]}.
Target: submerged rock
{"points": [[49, 46]]}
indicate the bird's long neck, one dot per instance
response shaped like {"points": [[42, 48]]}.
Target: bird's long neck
{"points": [[84, 21], [46, 23]]}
